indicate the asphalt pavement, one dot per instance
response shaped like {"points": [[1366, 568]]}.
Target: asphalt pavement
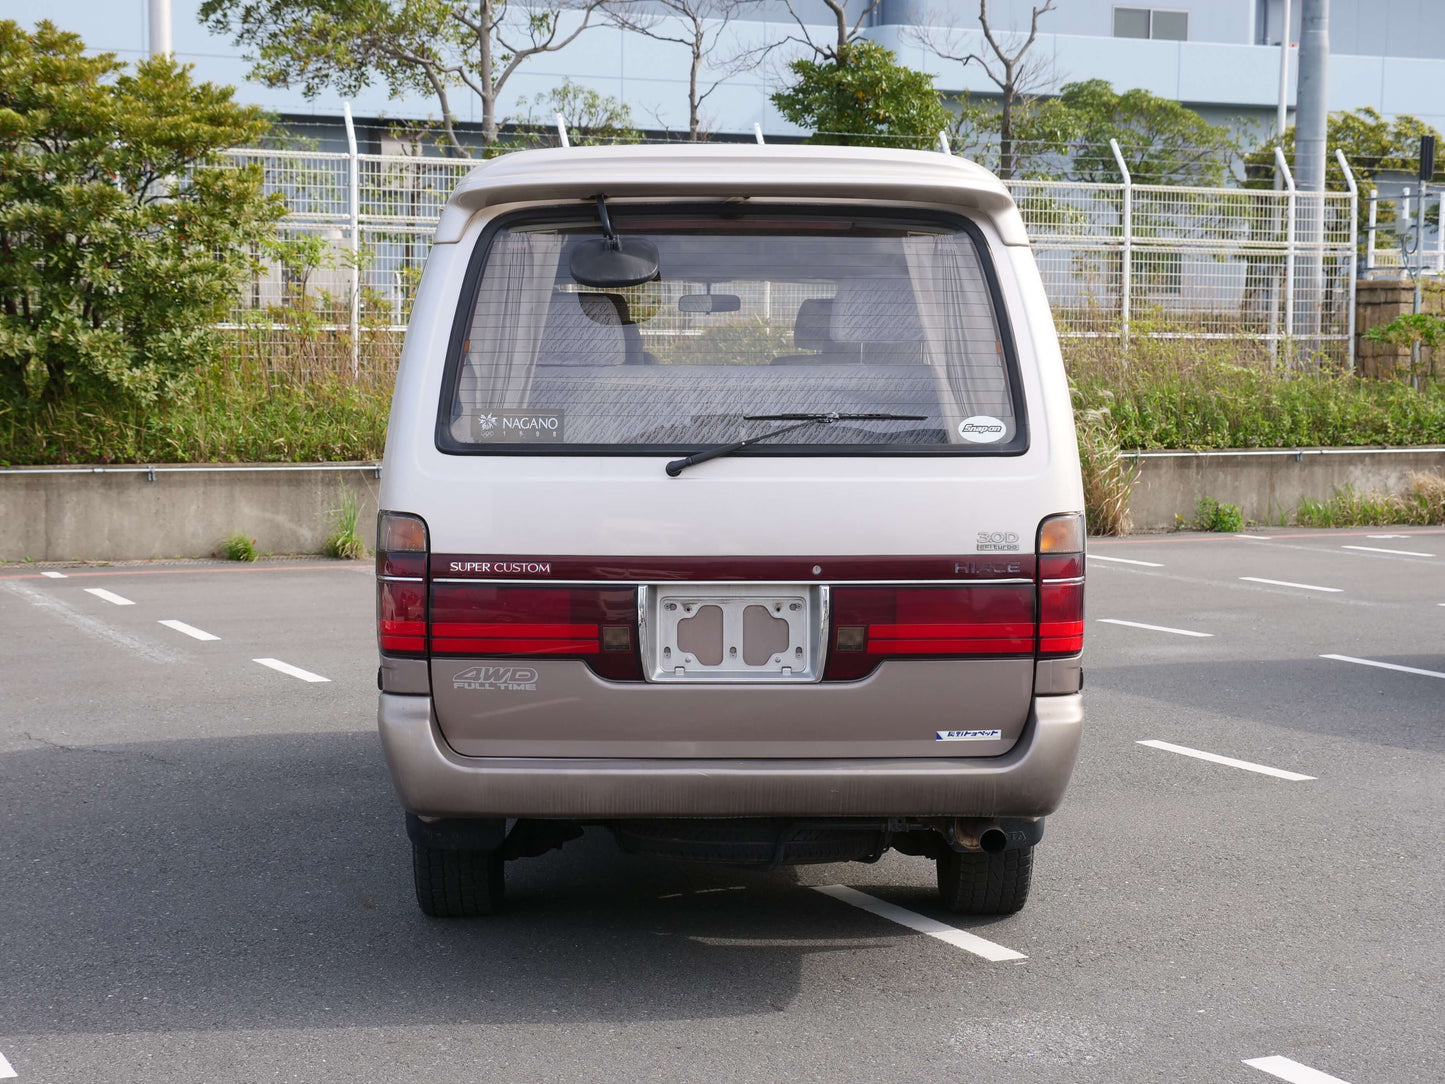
{"points": [[204, 877]]}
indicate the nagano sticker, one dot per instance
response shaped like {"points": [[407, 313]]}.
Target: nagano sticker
{"points": [[981, 429]]}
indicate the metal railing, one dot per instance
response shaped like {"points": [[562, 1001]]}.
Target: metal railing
{"points": [[1117, 260]]}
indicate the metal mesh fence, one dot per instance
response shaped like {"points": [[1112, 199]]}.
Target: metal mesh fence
{"points": [[337, 285]]}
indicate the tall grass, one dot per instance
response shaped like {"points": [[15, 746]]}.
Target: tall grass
{"points": [[1422, 504], [287, 393]]}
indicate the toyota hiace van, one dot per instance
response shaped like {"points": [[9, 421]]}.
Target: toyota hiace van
{"points": [[731, 502]]}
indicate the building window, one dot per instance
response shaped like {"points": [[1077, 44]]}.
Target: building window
{"points": [[1151, 23]]}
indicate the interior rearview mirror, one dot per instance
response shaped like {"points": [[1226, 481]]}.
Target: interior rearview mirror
{"points": [[709, 303]]}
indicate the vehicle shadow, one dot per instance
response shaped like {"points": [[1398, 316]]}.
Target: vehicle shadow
{"points": [[266, 882]]}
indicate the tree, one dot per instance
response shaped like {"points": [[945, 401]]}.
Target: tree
{"points": [[591, 116], [1162, 141], [1013, 72], [862, 94], [1372, 146], [416, 46], [704, 22], [122, 237]]}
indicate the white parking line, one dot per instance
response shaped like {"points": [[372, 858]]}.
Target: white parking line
{"points": [[1215, 758], [1256, 537], [1286, 583], [1124, 561], [1152, 628], [294, 671], [1386, 665], [923, 924], [190, 630], [1293, 1071], [55, 575], [109, 596], [6, 1072], [1387, 536], [1380, 549]]}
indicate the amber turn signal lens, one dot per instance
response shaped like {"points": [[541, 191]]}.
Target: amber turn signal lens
{"points": [[1062, 534]]}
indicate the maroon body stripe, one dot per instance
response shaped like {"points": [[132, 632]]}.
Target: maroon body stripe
{"points": [[962, 567]]}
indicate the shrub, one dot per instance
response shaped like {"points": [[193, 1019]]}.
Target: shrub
{"points": [[237, 547], [1211, 515], [344, 543], [125, 239]]}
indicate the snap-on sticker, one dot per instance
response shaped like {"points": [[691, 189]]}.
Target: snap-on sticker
{"points": [[969, 735], [981, 429]]}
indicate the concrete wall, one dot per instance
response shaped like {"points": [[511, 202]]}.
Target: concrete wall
{"points": [[1267, 483], [115, 514]]}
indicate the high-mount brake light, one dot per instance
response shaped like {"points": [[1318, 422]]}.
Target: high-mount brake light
{"points": [[401, 597], [1061, 585]]}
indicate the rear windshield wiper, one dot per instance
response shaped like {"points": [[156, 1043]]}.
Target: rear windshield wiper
{"points": [[677, 466]]}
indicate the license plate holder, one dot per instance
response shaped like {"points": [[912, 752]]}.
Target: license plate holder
{"points": [[714, 632]]}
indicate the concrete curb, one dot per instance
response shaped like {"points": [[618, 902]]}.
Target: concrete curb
{"points": [[137, 512]]}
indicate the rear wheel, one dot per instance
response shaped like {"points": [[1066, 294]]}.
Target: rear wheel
{"points": [[458, 883], [979, 883]]}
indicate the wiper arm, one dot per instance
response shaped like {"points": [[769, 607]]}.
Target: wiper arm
{"points": [[677, 466]]}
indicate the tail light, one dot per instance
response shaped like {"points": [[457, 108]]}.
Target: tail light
{"points": [[870, 624], [595, 624], [1061, 585], [401, 554]]}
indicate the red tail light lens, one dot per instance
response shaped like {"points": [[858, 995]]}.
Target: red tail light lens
{"points": [[401, 552], [597, 624], [870, 624], [1061, 585]]}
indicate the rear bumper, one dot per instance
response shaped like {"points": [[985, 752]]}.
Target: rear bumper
{"points": [[434, 781]]}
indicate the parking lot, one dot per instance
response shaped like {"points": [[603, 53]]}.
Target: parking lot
{"points": [[204, 876]]}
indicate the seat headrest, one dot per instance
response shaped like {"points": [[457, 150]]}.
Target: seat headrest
{"points": [[583, 329], [876, 311], [811, 329]]}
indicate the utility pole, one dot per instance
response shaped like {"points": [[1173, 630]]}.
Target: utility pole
{"points": [[160, 27], [1283, 72], [1309, 165]]}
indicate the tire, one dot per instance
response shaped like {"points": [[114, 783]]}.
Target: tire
{"points": [[458, 884], [979, 883]]}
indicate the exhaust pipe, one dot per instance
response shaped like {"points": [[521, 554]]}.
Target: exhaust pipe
{"points": [[992, 840], [977, 834]]}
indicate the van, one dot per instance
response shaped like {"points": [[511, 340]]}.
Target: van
{"points": [[731, 502]]}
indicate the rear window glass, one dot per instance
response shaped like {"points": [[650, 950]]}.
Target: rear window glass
{"points": [[750, 316]]}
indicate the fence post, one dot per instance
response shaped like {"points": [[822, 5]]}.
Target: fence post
{"points": [[1126, 256], [353, 197], [1283, 167], [757, 133], [1370, 232], [943, 142], [1354, 250], [562, 132]]}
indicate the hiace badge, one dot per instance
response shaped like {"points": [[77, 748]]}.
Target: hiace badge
{"points": [[519, 426]]}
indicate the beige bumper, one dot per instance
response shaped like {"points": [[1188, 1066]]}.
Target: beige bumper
{"points": [[433, 780]]}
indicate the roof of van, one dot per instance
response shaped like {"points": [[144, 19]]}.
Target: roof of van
{"points": [[730, 170]]}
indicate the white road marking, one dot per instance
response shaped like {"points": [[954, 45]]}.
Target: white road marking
{"points": [[1215, 758], [1293, 1071], [1386, 665], [55, 575], [294, 671], [923, 924], [1286, 583], [1256, 537], [109, 596], [1387, 536], [1124, 560], [93, 625], [190, 630], [1151, 628], [1379, 549], [6, 1072]]}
